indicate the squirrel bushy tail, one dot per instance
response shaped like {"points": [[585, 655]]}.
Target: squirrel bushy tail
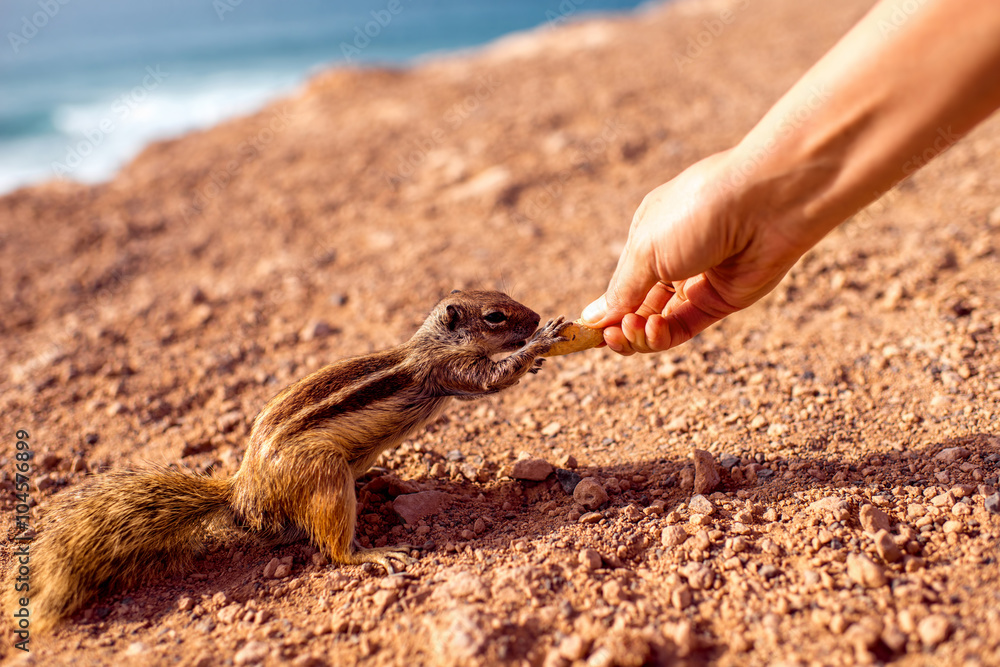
{"points": [[120, 527]]}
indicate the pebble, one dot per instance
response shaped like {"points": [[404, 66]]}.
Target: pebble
{"points": [[574, 647], [681, 598], [673, 536], [590, 559], [933, 630], [836, 507], [952, 454], [612, 592], [684, 637], [567, 461], [412, 507], [873, 519], [590, 517], [185, 603], [534, 470], [768, 571], [992, 503], [706, 474], [552, 429], [271, 567], [863, 570], [701, 505], [252, 653], [953, 526], [590, 493], [315, 330], [887, 548], [728, 461], [461, 585], [228, 615], [136, 648], [567, 479]]}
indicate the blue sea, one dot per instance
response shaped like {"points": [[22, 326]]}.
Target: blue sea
{"points": [[85, 84]]}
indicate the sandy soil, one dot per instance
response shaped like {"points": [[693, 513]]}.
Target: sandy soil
{"points": [[150, 318]]}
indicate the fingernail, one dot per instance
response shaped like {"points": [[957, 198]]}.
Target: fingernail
{"points": [[595, 311]]}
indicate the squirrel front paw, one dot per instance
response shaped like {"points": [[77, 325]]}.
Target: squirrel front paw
{"points": [[546, 337]]}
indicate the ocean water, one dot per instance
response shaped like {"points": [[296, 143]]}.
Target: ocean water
{"points": [[84, 85]]}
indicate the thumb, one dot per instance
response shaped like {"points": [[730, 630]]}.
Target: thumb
{"points": [[627, 290]]}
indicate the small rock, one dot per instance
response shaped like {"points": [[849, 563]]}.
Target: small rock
{"points": [[953, 526], [728, 461], [567, 461], [567, 479], [252, 653], [461, 585], [836, 507], [701, 505], [632, 513], [590, 517], [315, 330], [228, 615], [681, 597], [673, 536], [412, 507], [863, 570], [873, 519], [590, 493], [933, 630], [229, 421], [185, 603], [551, 429], [768, 571], [271, 567], [887, 547], [684, 637], [136, 648], [992, 503], [706, 474], [612, 592], [574, 647], [952, 454], [685, 479], [590, 559], [282, 571], [383, 599], [534, 470]]}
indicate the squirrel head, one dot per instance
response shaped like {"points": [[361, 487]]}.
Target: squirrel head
{"points": [[485, 320]]}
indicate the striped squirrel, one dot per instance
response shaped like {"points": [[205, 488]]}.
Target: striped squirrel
{"points": [[306, 448]]}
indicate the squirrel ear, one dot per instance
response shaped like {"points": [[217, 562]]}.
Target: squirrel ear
{"points": [[451, 317], [455, 291]]}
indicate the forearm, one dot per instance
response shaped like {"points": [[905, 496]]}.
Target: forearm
{"points": [[897, 89]]}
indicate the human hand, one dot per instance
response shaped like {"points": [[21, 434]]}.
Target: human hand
{"points": [[699, 249]]}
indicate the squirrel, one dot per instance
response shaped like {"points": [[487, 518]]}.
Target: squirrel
{"points": [[305, 450]]}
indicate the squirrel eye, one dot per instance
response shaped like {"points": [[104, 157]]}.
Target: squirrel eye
{"points": [[496, 317]]}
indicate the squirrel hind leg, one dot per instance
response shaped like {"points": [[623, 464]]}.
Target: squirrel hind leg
{"points": [[327, 510]]}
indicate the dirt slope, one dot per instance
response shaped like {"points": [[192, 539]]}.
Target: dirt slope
{"points": [[149, 319]]}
